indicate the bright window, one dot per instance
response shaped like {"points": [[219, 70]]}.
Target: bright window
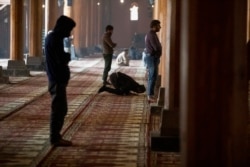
{"points": [[134, 12]]}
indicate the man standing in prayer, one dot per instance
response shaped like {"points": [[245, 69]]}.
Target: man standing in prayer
{"points": [[58, 73], [108, 51], [153, 54]]}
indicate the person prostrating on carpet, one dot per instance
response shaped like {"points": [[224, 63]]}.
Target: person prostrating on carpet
{"points": [[123, 85]]}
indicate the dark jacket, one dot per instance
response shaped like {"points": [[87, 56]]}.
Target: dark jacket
{"points": [[153, 45], [108, 44], [56, 59], [125, 83]]}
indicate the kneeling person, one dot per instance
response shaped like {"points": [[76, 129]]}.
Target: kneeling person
{"points": [[123, 59], [123, 85]]}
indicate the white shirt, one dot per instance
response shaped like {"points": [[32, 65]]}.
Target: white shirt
{"points": [[123, 59]]}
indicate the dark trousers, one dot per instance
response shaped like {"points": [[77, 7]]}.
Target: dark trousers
{"points": [[59, 108], [107, 66]]}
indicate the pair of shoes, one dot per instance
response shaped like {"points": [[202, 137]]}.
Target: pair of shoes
{"points": [[102, 89], [62, 143], [151, 99], [106, 83]]}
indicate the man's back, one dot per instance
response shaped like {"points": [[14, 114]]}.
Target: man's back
{"points": [[122, 81], [123, 85]]}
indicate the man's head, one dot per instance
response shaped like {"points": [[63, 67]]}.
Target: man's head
{"points": [[155, 25], [64, 26], [126, 50], [109, 28], [140, 89]]}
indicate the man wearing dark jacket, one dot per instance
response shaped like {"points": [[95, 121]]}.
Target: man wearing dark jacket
{"points": [[123, 85], [58, 73]]}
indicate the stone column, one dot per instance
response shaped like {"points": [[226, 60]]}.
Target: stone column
{"points": [[16, 65], [214, 89], [35, 59]]}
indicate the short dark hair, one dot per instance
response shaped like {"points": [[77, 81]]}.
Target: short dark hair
{"points": [[154, 23], [109, 27]]}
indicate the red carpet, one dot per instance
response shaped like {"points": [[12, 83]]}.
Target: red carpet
{"points": [[107, 130]]}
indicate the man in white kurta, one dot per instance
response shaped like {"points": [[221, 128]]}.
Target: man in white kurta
{"points": [[123, 59]]}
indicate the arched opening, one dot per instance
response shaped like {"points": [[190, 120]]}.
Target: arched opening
{"points": [[134, 12]]}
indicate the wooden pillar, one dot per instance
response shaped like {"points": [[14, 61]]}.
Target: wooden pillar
{"points": [[16, 65], [87, 19], [80, 14], [52, 14], [162, 6], [35, 28], [98, 25], [248, 20], [173, 93], [77, 12], [213, 83], [168, 139], [35, 60], [91, 23], [16, 30], [95, 25], [67, 10], [248, 38]]}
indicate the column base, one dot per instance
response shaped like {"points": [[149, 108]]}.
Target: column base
{"points": [[164, 143], [3, 79], [35, 63], [161, 96], [16, 68], [166, 138]]}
